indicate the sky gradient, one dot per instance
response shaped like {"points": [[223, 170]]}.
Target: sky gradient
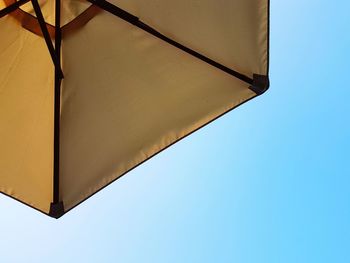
{"points": [[268, 182]]}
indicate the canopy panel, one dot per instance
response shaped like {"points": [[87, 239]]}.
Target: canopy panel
{"points": [[26, 116], [146, 95]]}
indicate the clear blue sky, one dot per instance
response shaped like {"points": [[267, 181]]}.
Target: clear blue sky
{"points": [[269, 182]]}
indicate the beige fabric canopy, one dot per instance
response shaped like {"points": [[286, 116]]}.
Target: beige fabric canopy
{"points": [[89, 89]]}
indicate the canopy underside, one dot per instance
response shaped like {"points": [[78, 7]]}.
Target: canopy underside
{"points": [[126, 94]]}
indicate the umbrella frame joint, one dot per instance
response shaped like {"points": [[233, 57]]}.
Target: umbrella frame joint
{"points": [[47, 37], [261, 84], [56, 210]]}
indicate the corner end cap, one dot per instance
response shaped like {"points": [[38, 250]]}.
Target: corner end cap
{"points": [[56, 210], [261, 84]]}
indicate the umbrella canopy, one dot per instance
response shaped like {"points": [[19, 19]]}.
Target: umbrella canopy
{"points": [[89, 89]]}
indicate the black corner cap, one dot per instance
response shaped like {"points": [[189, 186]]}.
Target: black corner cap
{"points": [[56, 210], [261, 83]]}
